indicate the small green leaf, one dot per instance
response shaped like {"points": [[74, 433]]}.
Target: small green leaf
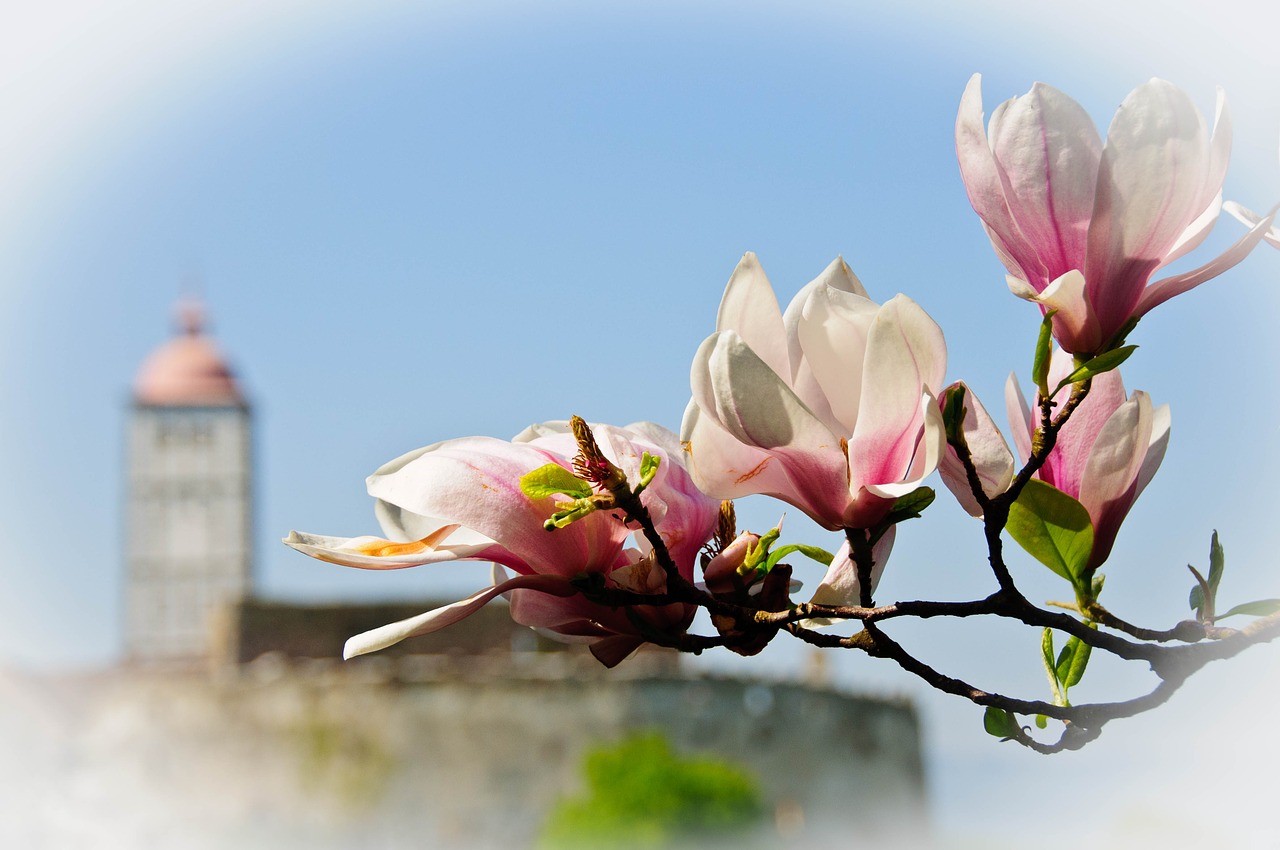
{"points": [[911, 505], [1050, 668], [953, 412], [1217, 563], [648, 468], [552, 480], [822, 556], [1053, 528], [1096, 366], [1000, 723], [1041, 721], [1259, 608], [1044, 351], [1062, 667], [1098, 581], [1072, 662]]}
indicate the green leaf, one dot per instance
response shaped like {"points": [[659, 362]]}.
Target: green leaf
{"points": [[1217, 564], [552, 480], [1050, 668], [822, 556], [1098, 581], [953, 412], [1044, 352], [1000, 723], [1259, 608], [1053, 528], [1072, 662], [1096, 366], [911, 505]]}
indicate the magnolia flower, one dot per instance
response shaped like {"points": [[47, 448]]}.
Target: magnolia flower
{"points": [[1106, 453], [830, 408], [1081, 225], [462, 500]]}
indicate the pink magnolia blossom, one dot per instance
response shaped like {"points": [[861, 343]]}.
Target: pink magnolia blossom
{"points": [[462, 500], [1082, 225], [829, 407], [1104, 456]]}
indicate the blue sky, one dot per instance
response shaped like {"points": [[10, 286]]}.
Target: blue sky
{"points": [[417, 222]]}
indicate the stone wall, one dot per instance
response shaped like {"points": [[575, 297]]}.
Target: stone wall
{"points": [[420, 753]]}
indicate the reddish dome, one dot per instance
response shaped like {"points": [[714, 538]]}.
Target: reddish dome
{"points": [[188, 370]]}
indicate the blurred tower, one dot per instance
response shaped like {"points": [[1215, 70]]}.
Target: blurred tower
{"points": [[189, 480]]}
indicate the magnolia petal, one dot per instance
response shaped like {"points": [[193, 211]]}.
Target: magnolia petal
{"points": [[1048, 151], [1151, 185], [375, 553], [984, 184], [832, 332], [1115, 460], [749, 399], [1074, 325], [840, 279], [840, 585], [1250, 218], [906, 354], [750, 308], [447, 615], [1161, 423], [1197, 231], [1064, 468], [722, 466], [612, 651], [1162, 290], [988, 451], [475, 481], [1019, 414]]}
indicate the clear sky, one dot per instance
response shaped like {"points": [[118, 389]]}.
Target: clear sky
{"points": [[418, 221]]}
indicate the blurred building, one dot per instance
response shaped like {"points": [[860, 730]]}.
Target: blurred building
{"points": [[189, 502]]}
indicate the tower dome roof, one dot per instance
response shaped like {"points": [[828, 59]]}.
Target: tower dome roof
{"points": [[188, 370]]}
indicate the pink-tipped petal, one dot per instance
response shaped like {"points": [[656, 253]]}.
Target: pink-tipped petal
{"points": [[1074, 325], [1107, 487], [984, 184], [1048, 151], [905, 354], [1021, 424]]}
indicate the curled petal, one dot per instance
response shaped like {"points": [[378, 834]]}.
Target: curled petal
{"points": [[375, 553], [1162, 290], [1250, 218], [439, 618]]}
